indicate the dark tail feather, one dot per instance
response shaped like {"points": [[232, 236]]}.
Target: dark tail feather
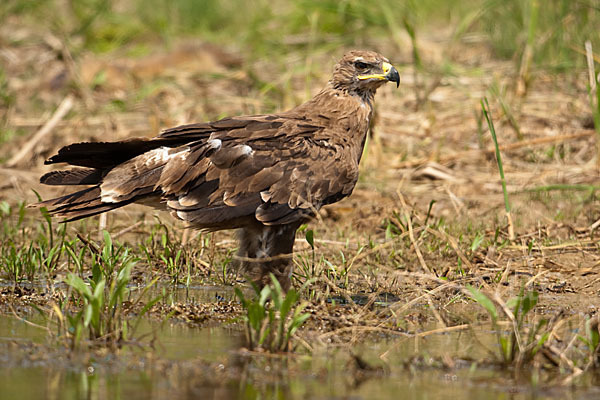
{"points": [[79, 176], [73, 199], [74, 214], [105, 155], [81, 204], [98, 159]]}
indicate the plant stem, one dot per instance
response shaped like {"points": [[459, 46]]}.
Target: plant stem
{"points": [[486, 107]]}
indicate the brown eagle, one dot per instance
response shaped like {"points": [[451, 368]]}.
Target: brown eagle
{"points": [[263, 175]]}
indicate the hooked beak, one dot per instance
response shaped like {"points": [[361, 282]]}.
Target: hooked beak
{"points": [[389, 73]]}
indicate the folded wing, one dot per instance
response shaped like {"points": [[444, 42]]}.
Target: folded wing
{"points": [[217, 175]]}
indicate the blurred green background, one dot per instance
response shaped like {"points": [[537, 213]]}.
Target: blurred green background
{"points": [[555, 30], [280, 50]]}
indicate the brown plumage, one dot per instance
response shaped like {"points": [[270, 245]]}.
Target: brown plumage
{"points": [[264, 175]]}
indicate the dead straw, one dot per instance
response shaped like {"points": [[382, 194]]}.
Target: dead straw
{"points": [[62, 110]]}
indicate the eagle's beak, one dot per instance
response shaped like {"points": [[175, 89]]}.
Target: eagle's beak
{"points": [[389, 73]]}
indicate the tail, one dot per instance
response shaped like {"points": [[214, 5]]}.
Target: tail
{"points": [[103, 155], [97, 159], [82, 204]]}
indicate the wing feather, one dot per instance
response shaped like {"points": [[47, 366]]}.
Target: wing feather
{"points": [[215, 175]]}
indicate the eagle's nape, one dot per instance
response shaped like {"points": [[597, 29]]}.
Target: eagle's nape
{"points": [[263, 175]]}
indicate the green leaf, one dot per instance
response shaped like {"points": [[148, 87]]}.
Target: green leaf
{"points": [[513, 304], [96, 272], [149, 305], [540, 343], [504, 347], [77, 283], [276, 292], [256, 314], [477, 241], [288, 302], [107, 239], [240, 296], [117, 293], [99, 290], [484, 301], [264, 295], [266, 332], [298, 319], [4, 208], [593, 336], [310, 238], [87, 316], [529, 301]]}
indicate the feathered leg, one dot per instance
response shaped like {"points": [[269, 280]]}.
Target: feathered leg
{"points": [[267, 250]]}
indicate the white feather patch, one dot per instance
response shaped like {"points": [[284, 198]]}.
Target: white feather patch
{"points": [[247, 150], [161, 155], [109, 196], [111, 191], [214, 143], [265, 195]]}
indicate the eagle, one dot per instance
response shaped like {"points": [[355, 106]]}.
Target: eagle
{"points": [[263, 175]]}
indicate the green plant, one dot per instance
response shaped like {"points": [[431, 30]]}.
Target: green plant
{"points": [[485, 106], [99, 302], [499, 93], [159, 245], [23, 253], [522, 341], [592, 340], [542, 33], [272, 317]]}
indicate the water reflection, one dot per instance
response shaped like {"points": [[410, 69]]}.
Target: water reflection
{"points": [[205, 363], [261, 378]]}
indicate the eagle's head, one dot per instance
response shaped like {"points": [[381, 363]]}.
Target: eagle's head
{"points": [[362, 72]]}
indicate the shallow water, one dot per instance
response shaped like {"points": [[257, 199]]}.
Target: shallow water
{"points": [[205, 363]]}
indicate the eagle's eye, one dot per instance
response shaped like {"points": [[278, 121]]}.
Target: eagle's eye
{"points": [[361, 65]]}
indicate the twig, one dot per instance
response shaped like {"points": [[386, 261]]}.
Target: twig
{"points": [[405, 306], [28, 322], [578, 244], [589, 56], [92, 246], [101, 225], [411, 234], [529, 282], [435, 312], [128, 229], [354, 329], [443, 330], [62, 110]]}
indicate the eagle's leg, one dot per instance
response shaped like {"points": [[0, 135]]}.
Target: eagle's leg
{"points": [[266, 250]]}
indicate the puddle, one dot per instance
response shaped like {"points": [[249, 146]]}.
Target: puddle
{"points": [[205, 362]]}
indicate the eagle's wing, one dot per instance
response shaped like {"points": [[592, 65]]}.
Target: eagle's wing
{"points": [[273, 168]]}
